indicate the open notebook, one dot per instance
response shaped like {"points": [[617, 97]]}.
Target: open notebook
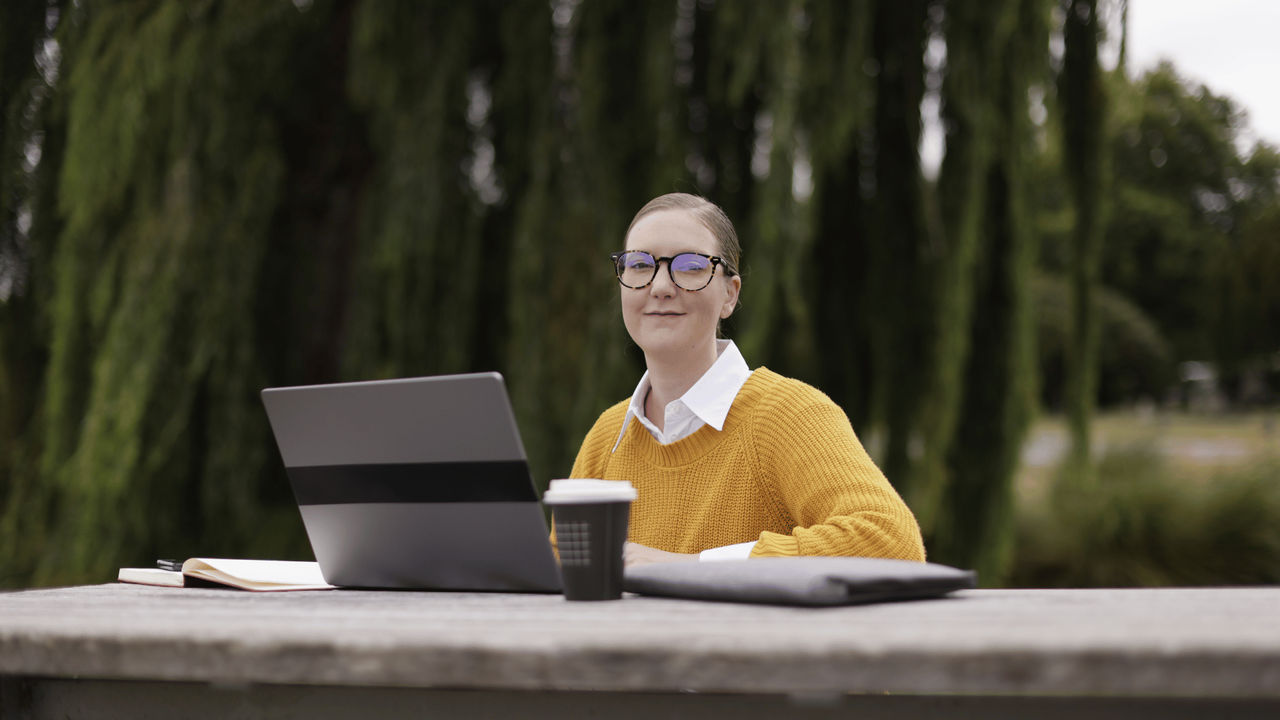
{"points": [[258, 575]]}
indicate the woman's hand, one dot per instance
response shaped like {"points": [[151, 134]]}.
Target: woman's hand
{"points": [[636, 554]]}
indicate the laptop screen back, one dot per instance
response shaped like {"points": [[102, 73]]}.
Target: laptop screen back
{"points": [[414, 483]]}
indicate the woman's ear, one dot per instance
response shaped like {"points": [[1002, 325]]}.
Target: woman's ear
{"points": [[731, 297]]}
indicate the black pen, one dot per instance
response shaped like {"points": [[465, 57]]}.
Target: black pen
{"points": [[175, 565]]}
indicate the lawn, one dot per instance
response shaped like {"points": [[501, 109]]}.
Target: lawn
{"points": [[1195, 445]]}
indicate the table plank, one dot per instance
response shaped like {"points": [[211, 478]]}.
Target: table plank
{"points": [[1179, 642]]}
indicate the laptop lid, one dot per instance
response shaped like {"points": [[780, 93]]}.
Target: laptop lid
{"points": [[414, 483]]}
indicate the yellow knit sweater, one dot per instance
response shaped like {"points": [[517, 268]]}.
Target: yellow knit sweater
{"points": [[787, 471]]}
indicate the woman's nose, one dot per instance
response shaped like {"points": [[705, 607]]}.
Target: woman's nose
{"points": [[662, 283]]}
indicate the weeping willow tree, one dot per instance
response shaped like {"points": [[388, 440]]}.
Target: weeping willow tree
{"points": [[414, 301], [21, 28], [838, 103], [173, 179], [899, 236], [775, 326], [30, 121], [590, 172], [1084, 108], [997, 396], [237, 195], [974, 35]]}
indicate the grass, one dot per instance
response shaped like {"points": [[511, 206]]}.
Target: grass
{"points": [[1193, 446]]}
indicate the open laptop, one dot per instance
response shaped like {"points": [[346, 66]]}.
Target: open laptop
{"points": [[418, 483]]}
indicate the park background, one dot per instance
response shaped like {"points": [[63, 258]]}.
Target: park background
{"points": [[202, 199]]}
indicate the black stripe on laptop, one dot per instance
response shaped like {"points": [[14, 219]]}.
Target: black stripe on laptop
{"points": [[489, 481]]}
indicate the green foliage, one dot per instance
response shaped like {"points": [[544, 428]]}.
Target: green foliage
{"points": [[1184, 241], [1085, 126], [975, 36], [233, 195], [30, 108], [1246, 315], [778, 321], [1179, 209], [560, 337], [1141, 524], [22, 107], [414, 305], [837, 108], [997, 397], [1135, 360], [152, 436], [899, 239]]}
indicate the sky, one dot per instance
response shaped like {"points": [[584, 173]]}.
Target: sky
{"points": [[1229, 45]]}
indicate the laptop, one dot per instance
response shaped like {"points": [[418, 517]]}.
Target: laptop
{"points": [[416, 483]]}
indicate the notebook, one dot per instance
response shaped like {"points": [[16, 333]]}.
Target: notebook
{"points": [[256, 575], [415, 483]]}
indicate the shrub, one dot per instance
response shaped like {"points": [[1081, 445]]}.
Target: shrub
{"points": [[1141, 525], [1134, 358]]}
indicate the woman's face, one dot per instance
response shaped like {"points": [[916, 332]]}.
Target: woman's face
{"points": [[663, 319]]}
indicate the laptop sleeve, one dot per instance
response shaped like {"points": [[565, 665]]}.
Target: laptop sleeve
{"points": [[799, 580]]}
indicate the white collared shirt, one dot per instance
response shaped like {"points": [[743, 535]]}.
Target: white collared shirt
{"points": [[706, 403]]}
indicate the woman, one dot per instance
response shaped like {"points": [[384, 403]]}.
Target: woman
{"points": [[728, 462]]}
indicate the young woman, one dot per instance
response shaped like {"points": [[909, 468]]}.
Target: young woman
{"points": [[728, 462]]}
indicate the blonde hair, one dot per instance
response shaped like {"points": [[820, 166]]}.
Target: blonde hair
{"points": [[706, 212]]}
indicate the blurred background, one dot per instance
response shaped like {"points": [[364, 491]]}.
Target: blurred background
{"points": [[1038, 277]]}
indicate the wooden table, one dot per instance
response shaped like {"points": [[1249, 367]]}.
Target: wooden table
{"points": [[135, 651]]}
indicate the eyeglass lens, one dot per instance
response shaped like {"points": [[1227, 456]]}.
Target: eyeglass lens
{"points": [[689, 271]]}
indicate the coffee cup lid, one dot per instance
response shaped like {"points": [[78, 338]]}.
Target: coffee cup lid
{"points": [[581, 490]]}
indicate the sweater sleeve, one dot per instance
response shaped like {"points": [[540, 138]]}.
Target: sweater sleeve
{"points": [[840, 501]]}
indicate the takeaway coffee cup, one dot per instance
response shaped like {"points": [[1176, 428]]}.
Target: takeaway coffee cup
{"points": [[591, 528]]}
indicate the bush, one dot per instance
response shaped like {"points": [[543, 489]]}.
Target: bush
{"points": [[1134, 358], [1140, 525]]}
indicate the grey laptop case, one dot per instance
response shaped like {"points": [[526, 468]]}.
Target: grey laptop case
{"points": [[417, 483], [800, 580]]}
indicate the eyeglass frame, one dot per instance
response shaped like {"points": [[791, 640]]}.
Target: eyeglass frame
{"points": [[716, 261]]}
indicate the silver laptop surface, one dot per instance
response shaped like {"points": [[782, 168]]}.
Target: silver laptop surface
{"points": [[414, 483]]}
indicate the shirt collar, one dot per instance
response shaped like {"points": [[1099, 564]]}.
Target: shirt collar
{"points": [[711, 396]]}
